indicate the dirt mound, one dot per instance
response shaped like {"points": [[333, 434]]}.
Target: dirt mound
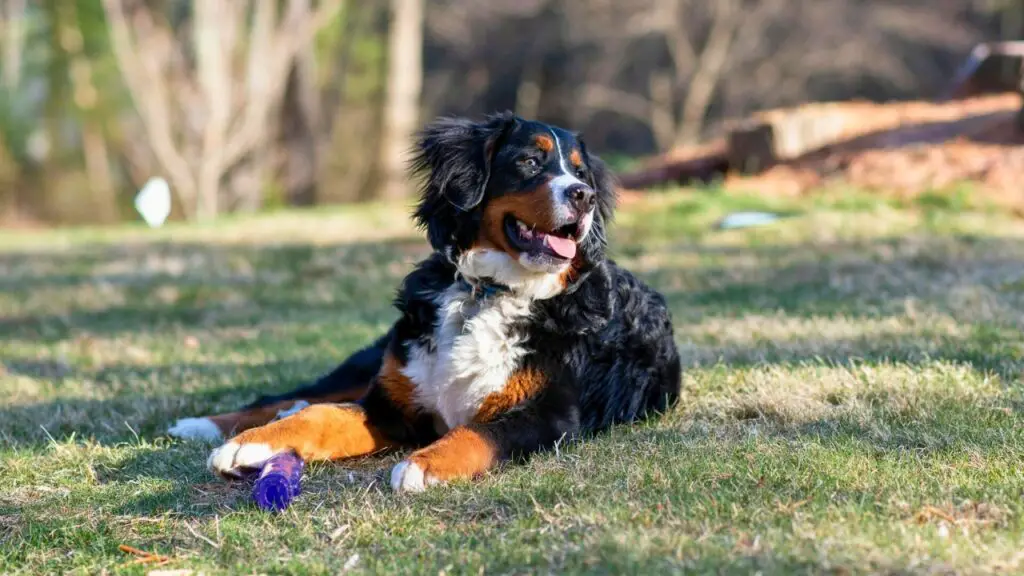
{"points": [[905, 149], [921, 148]]}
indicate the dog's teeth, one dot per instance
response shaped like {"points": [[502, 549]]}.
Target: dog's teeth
{"points": [[525, 230]]}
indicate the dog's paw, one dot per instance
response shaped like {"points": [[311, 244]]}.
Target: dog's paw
{"points": [[196, 429], [234, 460], [408, 476]]}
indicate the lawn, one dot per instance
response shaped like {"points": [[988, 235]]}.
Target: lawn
{"points": [[853, 400]]}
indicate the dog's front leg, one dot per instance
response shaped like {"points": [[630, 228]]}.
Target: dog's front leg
{"points": [[471, 450], [317, 432]]}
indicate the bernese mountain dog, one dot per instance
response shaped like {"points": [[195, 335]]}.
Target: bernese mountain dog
{"points": [[515, 333]]}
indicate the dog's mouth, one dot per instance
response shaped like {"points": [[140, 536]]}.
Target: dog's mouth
{"points": [[558, 244]]}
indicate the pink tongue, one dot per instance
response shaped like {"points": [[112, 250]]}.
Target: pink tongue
{"points": [[564, 247]]}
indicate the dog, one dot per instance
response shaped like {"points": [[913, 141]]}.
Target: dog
{"points": [[516, 332]]}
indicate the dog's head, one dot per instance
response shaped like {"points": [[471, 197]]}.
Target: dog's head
{"points": [[512, 199]]}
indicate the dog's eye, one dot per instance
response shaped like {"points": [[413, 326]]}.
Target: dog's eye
{"points": [[581, 173], [529, 164]]}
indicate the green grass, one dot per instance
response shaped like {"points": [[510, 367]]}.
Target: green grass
{"points": [[852, 400]]}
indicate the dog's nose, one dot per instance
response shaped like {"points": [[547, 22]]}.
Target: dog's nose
{"points": [[581, 197]]}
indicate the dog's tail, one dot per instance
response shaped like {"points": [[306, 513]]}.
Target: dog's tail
{"points": [[346, 383]]}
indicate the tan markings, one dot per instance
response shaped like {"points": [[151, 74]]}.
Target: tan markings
{"points": [[570, 274], [519, 387], [544, 142], [461, 453], [576, 158], [532, 208], [396, 385], [235, 422], [320, 432]]}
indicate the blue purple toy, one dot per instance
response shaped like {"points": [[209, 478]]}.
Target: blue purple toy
{"points": [[279, 482]]}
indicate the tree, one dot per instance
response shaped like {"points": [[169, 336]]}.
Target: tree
{"points": [[404, 84], [73, 64], [205, 119], [240, 103], [12, 40], [676, 65], [12, 37], [301, 122]]}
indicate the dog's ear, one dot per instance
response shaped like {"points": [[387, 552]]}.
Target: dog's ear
{"points": [[602, 180], [454, 156]]}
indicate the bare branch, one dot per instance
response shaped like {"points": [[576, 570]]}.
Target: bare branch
{"points": [[201, 115], [599, 97], [684, 57], [214, 32], [596, 97], [404, 87], [12, 33], [710, 64], [140, 67], [291, 34]]}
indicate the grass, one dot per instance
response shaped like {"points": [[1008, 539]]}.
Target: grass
{"points": [[853, 400]]}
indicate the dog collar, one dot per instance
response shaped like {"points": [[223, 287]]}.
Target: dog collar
{"points": [[483, 288]]}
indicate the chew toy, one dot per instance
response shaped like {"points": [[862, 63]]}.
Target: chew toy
{"points": [[279, 482]]}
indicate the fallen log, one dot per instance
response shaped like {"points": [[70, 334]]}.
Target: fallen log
{"points": [[701, 169]]}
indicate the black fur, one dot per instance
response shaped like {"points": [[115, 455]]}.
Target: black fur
{"points": [[456, 155], [605, 345]]}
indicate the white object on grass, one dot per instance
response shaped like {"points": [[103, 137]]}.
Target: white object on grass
{"points": [[153, 202], [747, 219]]}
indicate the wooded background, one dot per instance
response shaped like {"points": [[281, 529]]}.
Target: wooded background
{"points": [[244, 105]]}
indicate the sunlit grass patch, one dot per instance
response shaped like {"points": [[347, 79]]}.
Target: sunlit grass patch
{"points": [[852, 399]]}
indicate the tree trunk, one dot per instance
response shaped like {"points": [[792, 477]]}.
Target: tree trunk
{"points": [[85, 95], [215, 32], [12, 34], [299, 124], [706, 77], [97, 168], [404, 85], [242, 186]]}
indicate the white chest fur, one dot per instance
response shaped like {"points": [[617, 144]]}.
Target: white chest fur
{"points": [[474, 355]]}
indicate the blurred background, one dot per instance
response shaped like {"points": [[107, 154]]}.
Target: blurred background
{"points": [[252, 105]]}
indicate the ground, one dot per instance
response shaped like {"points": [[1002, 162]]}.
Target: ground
{"points": [[852, 399]]}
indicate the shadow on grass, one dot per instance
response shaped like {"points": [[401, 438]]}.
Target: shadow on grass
{"points": [[165, 286], [146, 399], [858, 279], [160, 286], [980, 283]]}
